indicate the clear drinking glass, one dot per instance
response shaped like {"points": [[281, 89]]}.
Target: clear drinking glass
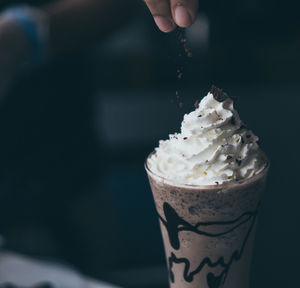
{"points": [[208, 231]]}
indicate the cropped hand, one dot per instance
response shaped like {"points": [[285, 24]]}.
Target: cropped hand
{"points": [[13, 49], [168, 14], [23, 38]]}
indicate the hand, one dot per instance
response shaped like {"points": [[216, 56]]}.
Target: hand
{"points": [[13, 48], [169, 13]]}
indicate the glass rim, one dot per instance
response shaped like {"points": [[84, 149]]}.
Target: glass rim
{"points": [[230, 184]]}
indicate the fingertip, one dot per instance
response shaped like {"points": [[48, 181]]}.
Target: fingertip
{"points": [[183, 17], [164, 24]]}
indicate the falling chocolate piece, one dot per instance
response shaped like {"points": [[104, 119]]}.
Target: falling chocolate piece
{"points": [[218, 94]]}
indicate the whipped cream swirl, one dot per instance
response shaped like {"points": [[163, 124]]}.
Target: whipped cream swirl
{"points": [[214, 146]]}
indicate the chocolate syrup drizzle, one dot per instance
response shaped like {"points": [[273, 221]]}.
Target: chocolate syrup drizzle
{"points": [[175, 224]]}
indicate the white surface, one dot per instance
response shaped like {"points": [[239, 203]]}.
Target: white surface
{"points": [[24, 271]]}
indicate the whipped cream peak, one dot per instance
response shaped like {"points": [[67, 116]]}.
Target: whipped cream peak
{"points": [[214, 146]]}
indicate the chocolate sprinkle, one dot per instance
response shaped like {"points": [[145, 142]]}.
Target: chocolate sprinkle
{"points": [[184, 138], [200, 115], [218, 94], [229, 157]]}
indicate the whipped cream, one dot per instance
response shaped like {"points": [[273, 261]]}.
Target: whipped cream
{"points": [[214, 146]]}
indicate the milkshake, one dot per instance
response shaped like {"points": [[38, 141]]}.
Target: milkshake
{"points": [[207, 183]]}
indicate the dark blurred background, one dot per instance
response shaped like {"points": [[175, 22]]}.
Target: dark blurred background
{"points": [[75, 133]]}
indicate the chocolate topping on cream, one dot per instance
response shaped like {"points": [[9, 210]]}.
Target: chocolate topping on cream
{"points": [[218, 94]]}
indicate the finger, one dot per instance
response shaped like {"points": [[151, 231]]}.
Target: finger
{"points": [[184, 12], [161, 11]]}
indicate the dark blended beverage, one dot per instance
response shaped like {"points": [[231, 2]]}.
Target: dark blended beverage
{"points": [[207, 184], [208, 231]]}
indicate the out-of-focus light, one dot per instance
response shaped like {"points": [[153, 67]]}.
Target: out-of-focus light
{"points": [[198, 34]]}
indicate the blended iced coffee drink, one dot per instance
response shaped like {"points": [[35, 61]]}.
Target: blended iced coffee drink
{"points": [[207, 183]]}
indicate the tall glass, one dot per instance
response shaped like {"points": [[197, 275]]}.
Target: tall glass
{"points": [[208, 231]]}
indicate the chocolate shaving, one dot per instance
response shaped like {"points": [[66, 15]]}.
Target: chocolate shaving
{"points": [[238, 161], [200, 115], [229, 157], [218, 94], [184, 138], [196, 105]]}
